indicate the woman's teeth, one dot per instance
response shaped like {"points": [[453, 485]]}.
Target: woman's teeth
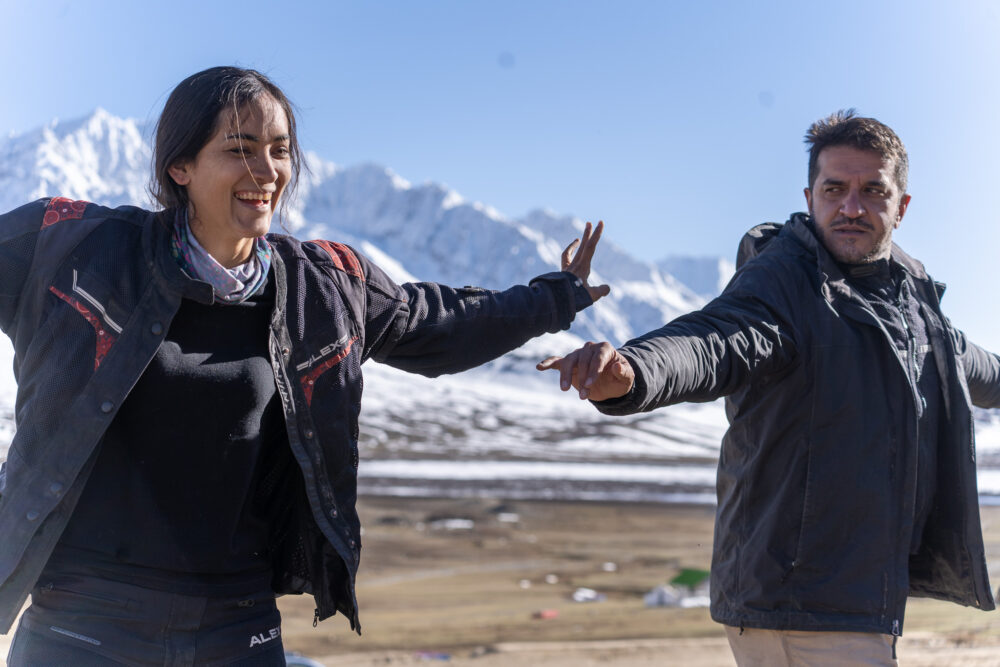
{"points": [[254, 196]]}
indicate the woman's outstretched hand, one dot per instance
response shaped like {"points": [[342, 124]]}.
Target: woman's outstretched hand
{"points": [[578, 262], [596, 370]]}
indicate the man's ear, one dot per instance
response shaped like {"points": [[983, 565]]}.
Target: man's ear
{"points": [[904, 201], [809, 201], [180, 173]]}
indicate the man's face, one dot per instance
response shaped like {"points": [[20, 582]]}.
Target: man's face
{"points": [[856, 203]]}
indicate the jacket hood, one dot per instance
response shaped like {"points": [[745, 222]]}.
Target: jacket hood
{"points": [[755, 240]]}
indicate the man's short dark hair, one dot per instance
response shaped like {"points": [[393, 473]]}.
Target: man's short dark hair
{"points": [[846, 128]]}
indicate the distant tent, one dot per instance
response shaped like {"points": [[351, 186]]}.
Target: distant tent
{"points": [[662, 596], [688, 589], [690, 577]]}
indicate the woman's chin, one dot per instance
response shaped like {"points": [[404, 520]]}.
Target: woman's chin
{"points": [[255, 226]]}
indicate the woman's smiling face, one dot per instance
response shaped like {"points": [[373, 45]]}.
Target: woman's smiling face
{"points": [[235, 181]]}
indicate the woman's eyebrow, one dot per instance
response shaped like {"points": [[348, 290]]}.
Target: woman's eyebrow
{"points": [[243, 136]]}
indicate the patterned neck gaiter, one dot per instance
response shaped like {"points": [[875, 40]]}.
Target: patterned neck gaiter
{"points": [[230, 285]]}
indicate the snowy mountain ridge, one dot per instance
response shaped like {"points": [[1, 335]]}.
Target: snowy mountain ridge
{"points": [[99, 158]]}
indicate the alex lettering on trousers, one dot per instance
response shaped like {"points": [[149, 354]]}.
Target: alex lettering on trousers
{"points": [[264, 637]]}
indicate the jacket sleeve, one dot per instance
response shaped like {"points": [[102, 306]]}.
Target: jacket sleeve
{"points": [[745, 333], [18, 235], [433, 329], [982, 371]]}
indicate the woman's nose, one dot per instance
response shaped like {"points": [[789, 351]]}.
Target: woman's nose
{"points": [[263, 167]]}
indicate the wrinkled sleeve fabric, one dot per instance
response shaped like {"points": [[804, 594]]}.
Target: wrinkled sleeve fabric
{"points": [[433, 329], [710, 353], [18, 236], [982, 372]]}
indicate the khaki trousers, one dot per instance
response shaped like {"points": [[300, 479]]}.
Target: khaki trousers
{"points": [[794, 648]]}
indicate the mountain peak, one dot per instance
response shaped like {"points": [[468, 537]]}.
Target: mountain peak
{"points": [[97, 157]]}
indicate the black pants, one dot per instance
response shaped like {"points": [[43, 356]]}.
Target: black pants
{"points": [[84, 621]]}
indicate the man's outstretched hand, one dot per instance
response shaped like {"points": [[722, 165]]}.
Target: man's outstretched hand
{"points": [[579, 263], [596, 370]]}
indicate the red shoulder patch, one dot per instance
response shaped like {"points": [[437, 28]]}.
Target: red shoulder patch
{"points": [[60, 209], [343, 258]]}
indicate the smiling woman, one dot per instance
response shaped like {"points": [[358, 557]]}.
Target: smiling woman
{"points": [[236, 179], [228, 163], [189, 391]]}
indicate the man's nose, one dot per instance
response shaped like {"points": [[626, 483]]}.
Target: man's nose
{"points": [[851, 206]]}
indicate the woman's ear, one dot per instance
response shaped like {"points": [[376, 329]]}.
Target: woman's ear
{"points": [[180, 173]]}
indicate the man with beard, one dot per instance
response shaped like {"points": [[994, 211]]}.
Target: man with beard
{"points": [[847, 477]]}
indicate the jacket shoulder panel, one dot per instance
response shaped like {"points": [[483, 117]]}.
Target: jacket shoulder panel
{"points": [[60, 209], [36, 238], [342, 256], [780, 272], [755, 240], [22, 220]]}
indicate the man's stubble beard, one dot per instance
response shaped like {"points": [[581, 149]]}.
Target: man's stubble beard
{"points": [[880, 250]]}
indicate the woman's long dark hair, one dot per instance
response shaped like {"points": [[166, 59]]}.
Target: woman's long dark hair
{"points": [[191, 117]]}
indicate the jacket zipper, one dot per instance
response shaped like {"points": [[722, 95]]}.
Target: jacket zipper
{"points": [[919, 406], [911, 362], [300, 453]]}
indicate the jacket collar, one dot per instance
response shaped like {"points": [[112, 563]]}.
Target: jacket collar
{"points": [[166, 273], [169, 276], [801, 228], [280, 283]]}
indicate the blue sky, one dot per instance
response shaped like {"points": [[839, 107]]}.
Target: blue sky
{"points": [[679, 124]]}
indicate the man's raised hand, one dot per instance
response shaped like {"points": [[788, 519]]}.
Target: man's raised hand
{"points": [[579, 263], [596, 370]]}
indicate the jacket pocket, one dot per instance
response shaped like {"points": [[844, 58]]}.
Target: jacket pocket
{"points": [[84, 595], [106, 330]]}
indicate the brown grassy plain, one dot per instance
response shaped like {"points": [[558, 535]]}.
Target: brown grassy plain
{"points": [[428, 592], [433, 595]]}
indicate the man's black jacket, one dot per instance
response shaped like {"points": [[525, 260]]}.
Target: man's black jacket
{"points": [[817, 472]]}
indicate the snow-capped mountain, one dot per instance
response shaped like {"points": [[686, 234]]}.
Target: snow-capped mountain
{"points": [[436, 235], [101, 158], [706, 276]]}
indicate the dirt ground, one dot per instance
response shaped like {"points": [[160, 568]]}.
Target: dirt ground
{"points": [[470, 592], [490, 583]]}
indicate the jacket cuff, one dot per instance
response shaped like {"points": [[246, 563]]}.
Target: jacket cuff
{"points": [[568, 292]]}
